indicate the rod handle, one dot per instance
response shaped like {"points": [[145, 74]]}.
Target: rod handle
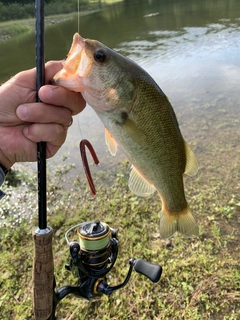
{"points": [[43, 273]]}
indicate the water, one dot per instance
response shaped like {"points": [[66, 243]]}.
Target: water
{"points": [[190, 47]]}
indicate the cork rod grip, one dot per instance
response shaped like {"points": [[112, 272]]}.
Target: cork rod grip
{"points": [[43, 274]]}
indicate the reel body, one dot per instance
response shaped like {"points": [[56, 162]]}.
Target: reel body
{"points": [[93, 258]]}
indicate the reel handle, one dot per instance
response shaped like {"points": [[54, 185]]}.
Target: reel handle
{"points": [[151, 271]]}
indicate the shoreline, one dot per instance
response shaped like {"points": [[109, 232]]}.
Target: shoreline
{"points": [[14, 28]]}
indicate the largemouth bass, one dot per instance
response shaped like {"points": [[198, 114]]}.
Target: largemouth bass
{"points": [[139, 118]]}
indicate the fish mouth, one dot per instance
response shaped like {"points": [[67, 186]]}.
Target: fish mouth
{"points": [[71, 76]]}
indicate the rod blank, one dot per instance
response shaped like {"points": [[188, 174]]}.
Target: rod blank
{"points": [[43, 266], [41, 146]]}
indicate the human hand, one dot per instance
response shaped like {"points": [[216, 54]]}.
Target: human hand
{"points": [[24, 122]]}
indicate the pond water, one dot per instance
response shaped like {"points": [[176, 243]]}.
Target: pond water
{"points": [[190, 47]]}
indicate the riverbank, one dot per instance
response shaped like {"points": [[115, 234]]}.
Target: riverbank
{"points": [[200, 276], [200, 279], [14, 28]]}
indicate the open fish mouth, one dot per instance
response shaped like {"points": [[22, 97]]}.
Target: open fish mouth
{"points": [[77, 45], [74, 67]]}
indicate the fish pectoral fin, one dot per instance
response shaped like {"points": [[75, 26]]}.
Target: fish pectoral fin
{"points": [[110, 142], [191, 161], [131, 130], [138, 185]]}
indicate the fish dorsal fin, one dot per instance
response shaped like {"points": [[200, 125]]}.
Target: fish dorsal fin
{"points": [[191, 161], [138, 185], [110, 142]]}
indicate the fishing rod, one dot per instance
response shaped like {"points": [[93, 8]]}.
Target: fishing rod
{"points": [[94, 254], [43, 267]]}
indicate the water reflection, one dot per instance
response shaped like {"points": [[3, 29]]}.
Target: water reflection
{"points": [[190, 47]]}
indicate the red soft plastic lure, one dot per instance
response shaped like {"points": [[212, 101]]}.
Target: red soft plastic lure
{"points": [[83, 144]]}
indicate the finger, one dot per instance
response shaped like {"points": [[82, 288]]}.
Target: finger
{"points": [[43, 113], [51, 150], [27, 78], [55, 134], [60, 96], [51, 68]]}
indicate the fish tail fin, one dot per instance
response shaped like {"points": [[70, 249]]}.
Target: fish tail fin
{"points": [[182, 222]]}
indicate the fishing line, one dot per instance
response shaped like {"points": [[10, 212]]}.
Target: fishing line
{"points": [[78, 16], [78, 30]]}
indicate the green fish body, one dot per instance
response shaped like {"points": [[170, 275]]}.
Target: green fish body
{"points": [[139, 118]]}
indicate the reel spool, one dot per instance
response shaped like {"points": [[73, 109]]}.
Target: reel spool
{"points": [[98, 248], [96, 252]]}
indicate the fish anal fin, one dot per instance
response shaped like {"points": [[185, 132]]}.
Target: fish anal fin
{"points": [[138, 185], [191, 161], [110, 142], [182, 222]]}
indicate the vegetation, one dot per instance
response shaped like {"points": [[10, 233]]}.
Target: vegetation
{"points": [[18, 17], [201, 277], [24, 9]]}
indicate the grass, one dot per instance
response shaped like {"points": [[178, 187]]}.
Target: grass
{"points": [[13, 28], [200, 279]]}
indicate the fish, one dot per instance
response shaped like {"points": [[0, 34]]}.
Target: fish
{"points": [[139, 118]]}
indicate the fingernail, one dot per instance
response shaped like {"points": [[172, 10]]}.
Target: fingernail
{"points": [[46, 92], [22, 111]]}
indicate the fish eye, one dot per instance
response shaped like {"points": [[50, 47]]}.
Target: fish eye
{"points": [[100, 55]]}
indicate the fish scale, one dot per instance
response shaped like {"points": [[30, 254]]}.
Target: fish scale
{"points": [[139, 118]]}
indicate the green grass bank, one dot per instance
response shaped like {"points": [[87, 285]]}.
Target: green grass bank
{"points": [[16, 19], [201, 277]]}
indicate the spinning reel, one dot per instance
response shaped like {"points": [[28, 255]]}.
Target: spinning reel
{"points": [[95, 253], [93, 257]]}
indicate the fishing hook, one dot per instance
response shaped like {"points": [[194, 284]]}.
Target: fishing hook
{"points": [[85, 143]]}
